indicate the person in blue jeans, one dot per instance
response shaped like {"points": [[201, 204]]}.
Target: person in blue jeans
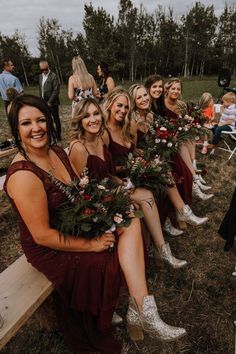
{"points": [[227, 119]]}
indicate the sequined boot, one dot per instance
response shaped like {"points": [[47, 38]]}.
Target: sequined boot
{"points": [[187, 216], [164, 253], [203, 187], [170, 229], [202, 179], [198, 193], [148, 320]]}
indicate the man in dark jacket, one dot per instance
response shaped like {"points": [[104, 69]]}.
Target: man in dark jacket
{"points": [[49, 90]]}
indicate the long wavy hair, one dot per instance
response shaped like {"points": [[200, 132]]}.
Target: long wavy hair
{"points": [[77, 131], [134, 109], [125, 124], [13, 119], [81, 73], [170, 82]]}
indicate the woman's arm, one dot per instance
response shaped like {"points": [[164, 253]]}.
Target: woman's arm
{"points": [[110, 83], [95, 89], [30, 198], [78, 156], [71, 88]]}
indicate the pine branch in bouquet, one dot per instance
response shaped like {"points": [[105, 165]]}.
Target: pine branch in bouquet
{"points": [[92, 207], [152, 174]]}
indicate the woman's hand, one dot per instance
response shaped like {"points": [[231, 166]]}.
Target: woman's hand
{"points": [[102, 243]]}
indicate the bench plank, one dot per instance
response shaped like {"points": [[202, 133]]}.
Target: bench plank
{"points": [[22, 290], [5, 153]]}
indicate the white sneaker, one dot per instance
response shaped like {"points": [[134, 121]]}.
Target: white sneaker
{"points": [[170, 229]]}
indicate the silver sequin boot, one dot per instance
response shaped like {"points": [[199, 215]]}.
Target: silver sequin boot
{"points": [[187, 216], [198, 193], [202, 186], [164, 253], [170, 229], [148, 320]]}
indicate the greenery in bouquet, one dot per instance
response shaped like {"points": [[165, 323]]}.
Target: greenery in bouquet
{"points": [[93, 207], [152, 174]]}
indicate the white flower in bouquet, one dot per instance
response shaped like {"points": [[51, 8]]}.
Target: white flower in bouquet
{"points": [[197, 138], [180, 128], [99, 186], [157, 141], [118, 218], [170, 144], [163, 129], [84, 181], [157, 160], [164, 141]]}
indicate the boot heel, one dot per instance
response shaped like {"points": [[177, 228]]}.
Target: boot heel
{"points": [[182, 224], [135, 332]]}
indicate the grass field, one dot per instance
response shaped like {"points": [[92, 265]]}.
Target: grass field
{"points": [[200, 297]]}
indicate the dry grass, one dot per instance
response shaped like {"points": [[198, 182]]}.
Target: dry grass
{"points": [[200, 297]]}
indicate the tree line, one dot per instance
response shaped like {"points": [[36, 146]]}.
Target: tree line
{"points": [[135, 44]]}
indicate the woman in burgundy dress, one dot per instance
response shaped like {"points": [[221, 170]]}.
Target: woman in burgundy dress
{"points": [[87, 149], [141, 114], [86, 277], [121, 140], [182, 171]]}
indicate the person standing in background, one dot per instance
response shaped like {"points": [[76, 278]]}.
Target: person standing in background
{"points": [[7, 80], [49, 89]]}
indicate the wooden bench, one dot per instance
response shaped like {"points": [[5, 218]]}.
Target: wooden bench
{"points": [[22, 290], [8, 152]]}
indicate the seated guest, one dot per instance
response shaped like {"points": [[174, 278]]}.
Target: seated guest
{"points": [[227, 119], [85, 275]]}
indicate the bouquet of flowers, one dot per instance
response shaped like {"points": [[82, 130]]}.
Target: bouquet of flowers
{"points": [[152, 174], [93, 208], [194, 120], [164, 138]]}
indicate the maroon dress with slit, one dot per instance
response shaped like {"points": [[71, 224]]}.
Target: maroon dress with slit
{"points": [[162, 201], [88, 283], [181, 173]]}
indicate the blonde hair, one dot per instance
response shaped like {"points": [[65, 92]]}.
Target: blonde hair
{"points": [[108, 102], [170, 82], [205, 100], [229, 97], [134, 111], [81, 109], [81, 73]]}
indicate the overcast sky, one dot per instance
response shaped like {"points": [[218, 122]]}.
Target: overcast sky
{"points": [[24, 15]]}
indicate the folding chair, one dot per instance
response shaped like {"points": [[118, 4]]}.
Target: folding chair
{"points": [[227, 147]]}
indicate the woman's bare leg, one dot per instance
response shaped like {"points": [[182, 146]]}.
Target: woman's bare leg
{"points": [[175, 198], [131, 258], [146, 202], [184, 153]]}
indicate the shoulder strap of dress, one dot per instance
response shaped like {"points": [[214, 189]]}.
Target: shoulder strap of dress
{"points": [[64, 158]]}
